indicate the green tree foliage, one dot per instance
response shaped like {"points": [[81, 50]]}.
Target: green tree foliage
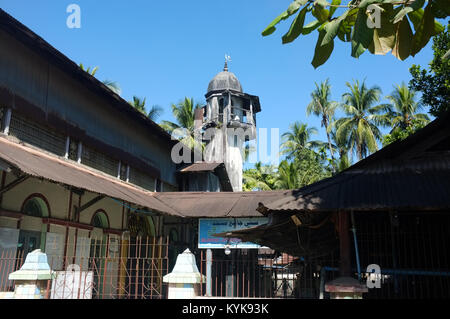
{"points": [[262, 177], [434, 84], [323, 107], [297, 139], [357, 133], [402, 113], [183, 129], [139, 104], [113, 86], [350, 24], [359, 129], [402, 134]]}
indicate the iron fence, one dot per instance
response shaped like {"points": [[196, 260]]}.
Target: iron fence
{"points": [[101, 269], [261, 273]]}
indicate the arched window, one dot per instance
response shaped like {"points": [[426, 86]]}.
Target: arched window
{"points": [[100, 220], [36, 206]]}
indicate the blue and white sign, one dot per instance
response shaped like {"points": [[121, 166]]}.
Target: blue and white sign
{"points": [[207, 227]]}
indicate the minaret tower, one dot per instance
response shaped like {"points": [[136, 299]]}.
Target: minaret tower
{"points": [[229, 110]]}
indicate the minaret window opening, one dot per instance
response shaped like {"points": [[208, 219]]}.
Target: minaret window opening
{"points": [[221, 106]]}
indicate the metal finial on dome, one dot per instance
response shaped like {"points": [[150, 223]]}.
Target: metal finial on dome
{"points": [[227, 58]]}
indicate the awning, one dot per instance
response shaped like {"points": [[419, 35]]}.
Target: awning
{"points": [[220, 204], [56, 169], [200, 167]]}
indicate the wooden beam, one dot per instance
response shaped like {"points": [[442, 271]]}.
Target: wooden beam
{"points": [[89, 204], [14, 184]]}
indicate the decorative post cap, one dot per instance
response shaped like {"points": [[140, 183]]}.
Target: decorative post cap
{"points": [[35, 267], [185, 270]]}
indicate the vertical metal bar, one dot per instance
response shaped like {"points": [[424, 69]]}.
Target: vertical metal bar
{"points": [[105, 268], [167, 255], [95, 269], [160, 278], [152, 269], [358, 267], [136, 269], [201, 272], [8, 267], [221, 278], [143, 268], [80, 280], [4, 273], [47, 289], [215, 286]]}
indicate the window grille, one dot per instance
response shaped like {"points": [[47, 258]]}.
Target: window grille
{"points": [[99, 161], [141, 179], [37, 135]]}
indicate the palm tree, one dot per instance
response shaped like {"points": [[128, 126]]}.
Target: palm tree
{"points": [[88, 70], [321, 106], [262, 177], [113, 86], [343, 148], [359, 129], [403, 111], [184, 114], [298, 139], [287, 176], [139, 104]]}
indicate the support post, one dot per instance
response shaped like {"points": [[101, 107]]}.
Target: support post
{"points": [[208, 272], [345, 287]]}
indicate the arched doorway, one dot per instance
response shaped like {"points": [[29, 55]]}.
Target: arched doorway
{"points": [[35, 205], [98, 251], [140, 248]]}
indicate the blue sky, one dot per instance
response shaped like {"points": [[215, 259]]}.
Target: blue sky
{"points": [[166, 50]]}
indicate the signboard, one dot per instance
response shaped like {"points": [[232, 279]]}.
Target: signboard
{"points": [[207, 227]]}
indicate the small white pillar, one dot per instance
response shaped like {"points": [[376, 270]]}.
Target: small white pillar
{"points": [[31, 279], [185, 279]]}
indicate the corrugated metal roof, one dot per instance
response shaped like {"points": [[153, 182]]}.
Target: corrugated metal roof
{"points": [[410, 174], [200, 167], [43, 48], [219, 204], [41, 164]]}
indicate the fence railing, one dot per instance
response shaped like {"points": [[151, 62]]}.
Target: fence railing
{"points": [[258, 274], [101, 269]]}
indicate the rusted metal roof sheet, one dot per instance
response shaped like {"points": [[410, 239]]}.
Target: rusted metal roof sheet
{"points": [[399, 190], [219, 204], [200, 167], [55, 169], [44, 49], [412, 174]]}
